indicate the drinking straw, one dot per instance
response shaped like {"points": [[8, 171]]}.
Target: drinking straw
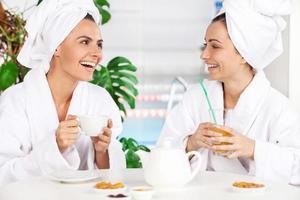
{"points": [[208, 101]]}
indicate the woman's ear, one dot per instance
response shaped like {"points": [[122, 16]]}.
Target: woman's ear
{"points": [[57, 52], [243, 61]]}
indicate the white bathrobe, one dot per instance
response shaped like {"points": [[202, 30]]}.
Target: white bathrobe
{"points": [[262, 113], [28, 122]]}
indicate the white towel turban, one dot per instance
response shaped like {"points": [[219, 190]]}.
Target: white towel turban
{"points": [[47, 27], [255, 27]]}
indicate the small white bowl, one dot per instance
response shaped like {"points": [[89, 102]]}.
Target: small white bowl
{"points": [[142, 192]]}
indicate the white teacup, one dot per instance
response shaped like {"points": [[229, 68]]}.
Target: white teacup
{"points": [[92, 125]]}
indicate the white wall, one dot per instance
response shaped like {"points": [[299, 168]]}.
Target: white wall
{"points": [[161, 36], [278, 71]]}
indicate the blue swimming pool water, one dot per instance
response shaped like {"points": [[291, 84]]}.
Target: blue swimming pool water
{"points": [[144, 130]]}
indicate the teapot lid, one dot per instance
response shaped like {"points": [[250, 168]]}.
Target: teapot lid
{"points": [[167, 143]]}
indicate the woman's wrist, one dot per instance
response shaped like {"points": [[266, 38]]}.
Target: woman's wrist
{"points": [[252, 149], [102, 159], [189, 144]]}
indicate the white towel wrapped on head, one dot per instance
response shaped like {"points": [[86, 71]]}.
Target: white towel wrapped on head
{"points": [[48, 25], [255, 27]]}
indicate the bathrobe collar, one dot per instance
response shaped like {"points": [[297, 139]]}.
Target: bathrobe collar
{"points": [[40, 107], [248, 105]]}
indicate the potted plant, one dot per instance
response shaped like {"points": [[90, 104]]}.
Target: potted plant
{"points": [[130, 146], [117, 77]]}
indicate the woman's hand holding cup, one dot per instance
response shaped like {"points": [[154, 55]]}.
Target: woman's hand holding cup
{"points": [[232, 144], [102, 141], [202, 137], [101, 144], [67, 133]]}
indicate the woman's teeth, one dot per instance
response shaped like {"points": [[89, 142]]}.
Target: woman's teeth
{"points": [[211, 66], [88, 64]]}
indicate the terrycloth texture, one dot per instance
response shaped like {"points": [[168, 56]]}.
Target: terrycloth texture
{"points": [[261, 113], [255, 27], [49, 25], [28, 122]]}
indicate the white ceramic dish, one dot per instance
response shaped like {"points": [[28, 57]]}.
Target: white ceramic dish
{"points": [[142, 192], [249, 190], [74, 176]]}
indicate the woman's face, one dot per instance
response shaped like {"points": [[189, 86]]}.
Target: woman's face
{"points": [[219, 54], [78, 55]]}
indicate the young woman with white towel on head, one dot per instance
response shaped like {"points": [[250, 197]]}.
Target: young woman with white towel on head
{"points": [[239, 43], [38, 129]]}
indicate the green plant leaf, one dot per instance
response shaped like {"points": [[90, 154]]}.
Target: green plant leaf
{"points": [[125, 85], [127, 97], [8, 74], [22, 72], [118, 80], [132, 160], [131, 156], [124, 75], [105, 16], [40, 1], [121, 63], [144, 148], [102, 3], [123, 139], [134, 165], [124, 143], [133, 141], [130, 146]]}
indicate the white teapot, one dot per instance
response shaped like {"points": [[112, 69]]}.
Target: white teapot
{"points": [[168, 167]]}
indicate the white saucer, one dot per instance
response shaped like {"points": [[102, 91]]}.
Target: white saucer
{"points": [[74, 176]]}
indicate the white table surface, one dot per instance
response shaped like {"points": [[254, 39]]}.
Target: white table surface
{"points": [[206, 185]]}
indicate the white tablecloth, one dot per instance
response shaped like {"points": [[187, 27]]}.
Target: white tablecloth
{"points": [[206, 185]]}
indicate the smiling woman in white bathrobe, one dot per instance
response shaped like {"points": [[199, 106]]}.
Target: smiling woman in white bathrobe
{"points": [[265, 127], [38, 126]]}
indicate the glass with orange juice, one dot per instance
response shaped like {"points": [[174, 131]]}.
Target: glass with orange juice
{"points": [[219, 119]]}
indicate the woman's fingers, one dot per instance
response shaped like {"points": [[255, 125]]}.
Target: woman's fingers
{"points": [[67, 132], [102, 144], [209, 133], [227, 147], [67, 136], [227, 129], [104, 137], [110, 124], [218, 140], [206, 125], [234, 154], [69, 123]]}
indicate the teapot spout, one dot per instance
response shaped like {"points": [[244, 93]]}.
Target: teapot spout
{"points": [[144, 156]]}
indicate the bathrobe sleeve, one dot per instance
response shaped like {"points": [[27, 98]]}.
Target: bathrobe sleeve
{"points": [[18, 158], [116, 155], [279, 158]]}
